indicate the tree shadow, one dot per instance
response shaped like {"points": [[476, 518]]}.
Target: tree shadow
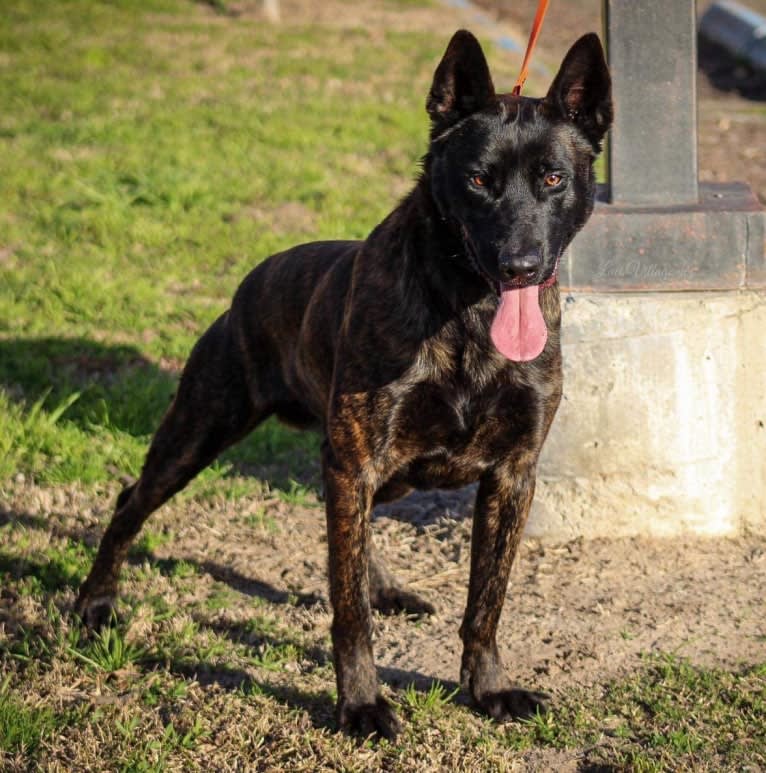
{"points": [[109, 385]]}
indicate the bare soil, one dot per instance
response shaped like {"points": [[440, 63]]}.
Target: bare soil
{"points": [[576, 614]]}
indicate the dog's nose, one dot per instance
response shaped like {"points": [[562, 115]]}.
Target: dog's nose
{"points": [[520, 265]]}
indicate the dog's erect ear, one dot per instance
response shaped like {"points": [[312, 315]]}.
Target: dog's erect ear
{"points": [[462, 83], [582, 90]]}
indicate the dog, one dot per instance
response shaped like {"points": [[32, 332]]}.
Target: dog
{"points": [[428, 355]]}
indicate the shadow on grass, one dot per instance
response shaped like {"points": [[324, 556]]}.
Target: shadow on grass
{"points": [[316, 705], [110, 386], [319, 705], [50, 574], [83, 535], [115, 389], [256, 588], [62, 570], [65, 570], [256, 636]]}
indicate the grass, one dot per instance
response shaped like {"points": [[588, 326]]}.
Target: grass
{"points": [[196, 673], [151, 153], [189, 685], [22, 727], [144, 169], [108, 650], [297, 494], [422, 704], [57, 566], [670, 715]]}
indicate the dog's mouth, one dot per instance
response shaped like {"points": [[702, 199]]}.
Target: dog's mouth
{"points": [[518, 330], [515, 284]]}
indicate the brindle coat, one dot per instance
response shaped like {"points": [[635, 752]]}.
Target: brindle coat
{"points": [[383, 345]]}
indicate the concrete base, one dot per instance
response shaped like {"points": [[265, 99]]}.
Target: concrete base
{"points": [[662, 427], [716, 243]]}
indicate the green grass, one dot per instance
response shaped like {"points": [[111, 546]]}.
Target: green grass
{"points": [[148, 160], [46, 570], [192, 660], [670, 715], [297, 494], [22, 727], [431, 702], [108, 650]]}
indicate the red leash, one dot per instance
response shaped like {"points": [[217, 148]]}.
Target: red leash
{"points": [[542, 7]]}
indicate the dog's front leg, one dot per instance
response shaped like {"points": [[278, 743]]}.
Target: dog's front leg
{"points": [[348, 499], [502, 505]]}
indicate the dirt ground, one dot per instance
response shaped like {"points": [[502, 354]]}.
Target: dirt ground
{"points": [[576, 614]]}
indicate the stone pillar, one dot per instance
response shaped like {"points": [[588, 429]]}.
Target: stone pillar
{"points": [[652, 53], [661, 429]]}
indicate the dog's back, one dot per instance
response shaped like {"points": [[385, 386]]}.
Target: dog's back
{"points": [[285, 316]]}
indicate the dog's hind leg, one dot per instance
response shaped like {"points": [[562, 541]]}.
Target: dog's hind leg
{"points": [[212, 409], [388, 594]]}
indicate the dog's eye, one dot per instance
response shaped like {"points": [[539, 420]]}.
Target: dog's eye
{"points": [[552, 179], [478, 181]]}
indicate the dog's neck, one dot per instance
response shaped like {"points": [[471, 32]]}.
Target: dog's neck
{"points": [[436, 255]]}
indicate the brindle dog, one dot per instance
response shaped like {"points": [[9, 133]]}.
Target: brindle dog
{"points": [[428, 355]]}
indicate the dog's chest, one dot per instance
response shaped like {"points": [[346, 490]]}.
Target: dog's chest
{"points": [[449, 433]]}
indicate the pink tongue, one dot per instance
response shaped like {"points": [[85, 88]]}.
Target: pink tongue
{"points": [[518, 330]]}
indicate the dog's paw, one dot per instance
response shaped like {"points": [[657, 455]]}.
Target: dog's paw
{"points": [[367, 719], [392, 601], [510, 704], [95, 610]]}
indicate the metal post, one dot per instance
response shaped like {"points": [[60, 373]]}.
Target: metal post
{"points": [[652, 53]]}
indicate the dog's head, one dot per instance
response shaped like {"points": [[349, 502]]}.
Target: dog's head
{"points": [[513, 174]]}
